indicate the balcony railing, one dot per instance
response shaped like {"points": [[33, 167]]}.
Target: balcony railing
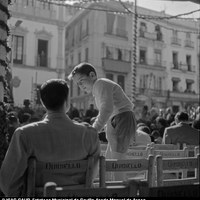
{"points": [[189, 43], [42, 61], [183, 67], [152, 92], [148, 35], [176, 41], [116, 65]]}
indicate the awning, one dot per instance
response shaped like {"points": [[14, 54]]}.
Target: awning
{"points": [[176, 79], [189, 81]]}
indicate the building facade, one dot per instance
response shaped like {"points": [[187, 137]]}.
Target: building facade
{"points": [[167, 71], [37, 43]]}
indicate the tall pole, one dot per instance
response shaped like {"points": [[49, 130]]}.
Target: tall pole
{"points": [[134, 51]]}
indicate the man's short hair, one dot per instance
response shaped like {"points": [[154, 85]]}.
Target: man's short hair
{"points": [[83, 69], [182, 116], [53, 93]]}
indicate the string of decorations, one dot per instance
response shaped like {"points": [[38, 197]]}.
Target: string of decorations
{"points": [[168, 28], [5, 10], [87, 2], [3, 106], [128, 12]]}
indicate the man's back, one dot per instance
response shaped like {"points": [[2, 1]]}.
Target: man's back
{"points": [[181, 133], [56, 138]]}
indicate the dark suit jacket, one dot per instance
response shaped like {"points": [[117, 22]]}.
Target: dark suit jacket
{"points": [[181, 133]]}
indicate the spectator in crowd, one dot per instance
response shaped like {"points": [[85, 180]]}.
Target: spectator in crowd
{"points": [[115, 110], [169, 115], [26, 118], [25, 109], [157, 139], [142, 138], [90, 113], [182, 132], [196, 123], [161, 124], [13, 124], [73, 112], [53, 139]]}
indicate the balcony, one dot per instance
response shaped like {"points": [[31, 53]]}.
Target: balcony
{"points": [[118, 33], [148, 35], [176, 41], [152, 92], [152, 63], [189, 43], [184, 95], [42, 61], [116, 65], [182, 67], [157, 63]]}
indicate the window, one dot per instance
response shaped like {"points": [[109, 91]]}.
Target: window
{"points": [[42, 53], [143, 29], [188, 36], [188, 62], [175, 60], [189, 83], [119, 54], [142, 56], [175, 85], [158, 33], [157, 55], [159, 83], [86, 54], [175, 33], [18, 48], [188, 86], [120, 81], [109, 53], [109, 76]]}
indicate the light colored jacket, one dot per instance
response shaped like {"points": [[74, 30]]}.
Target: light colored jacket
{"points": [[56, 138]]}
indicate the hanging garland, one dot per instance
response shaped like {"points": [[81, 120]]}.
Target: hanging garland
{"points": [[5, 65], [5, 10]]}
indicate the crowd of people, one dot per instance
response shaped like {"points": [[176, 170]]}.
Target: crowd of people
{"points": [[61, 132]]}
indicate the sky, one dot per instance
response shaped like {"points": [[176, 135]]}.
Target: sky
{"points": [[171, 7]]}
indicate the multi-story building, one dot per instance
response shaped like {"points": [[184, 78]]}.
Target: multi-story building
{"points": [[37, 43], [167, 70]]}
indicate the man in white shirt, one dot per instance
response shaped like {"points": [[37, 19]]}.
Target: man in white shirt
{"points": [[53, 139], [115, 110]]}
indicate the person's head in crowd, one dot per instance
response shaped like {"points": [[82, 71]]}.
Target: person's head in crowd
{"points": [[155, 135], [144, 129], [141, 124], [54, 95], [27, 102], [13, 121], [181, 117], [161, 122], [84, 75], [26, 118], [196, 123]]}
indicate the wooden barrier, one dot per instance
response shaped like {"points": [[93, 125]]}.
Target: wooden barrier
{"points": [[41, 172], [176, 164], [128, 165], [127, 190]]}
